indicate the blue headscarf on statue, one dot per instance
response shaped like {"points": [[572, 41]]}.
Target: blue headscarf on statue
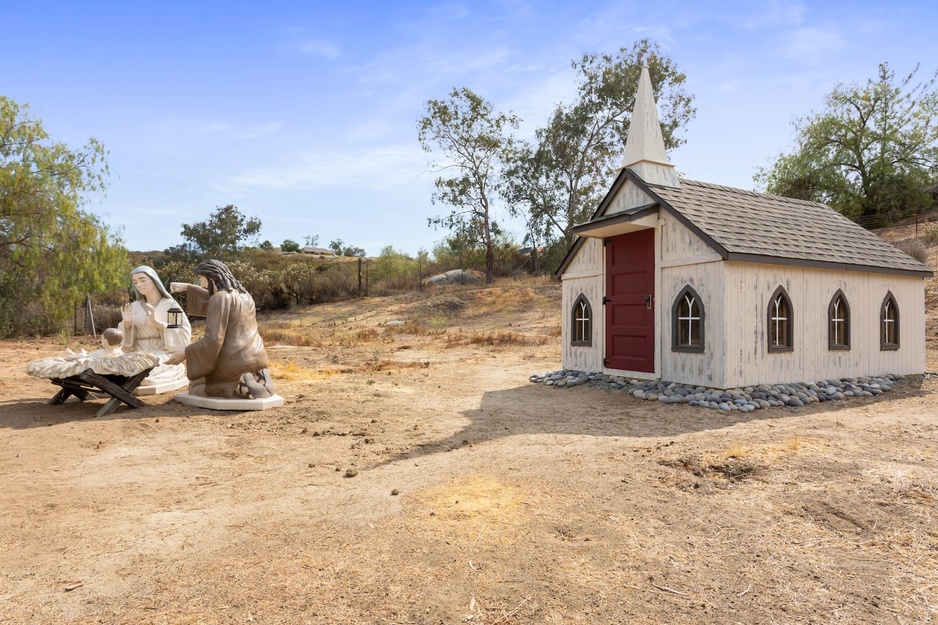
{"points": [[151, 273]]}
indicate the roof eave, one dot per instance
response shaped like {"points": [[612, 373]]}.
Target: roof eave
{"points": [[823, 264]]}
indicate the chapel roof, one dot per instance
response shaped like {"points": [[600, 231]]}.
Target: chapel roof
{"points": [[757, 227]]}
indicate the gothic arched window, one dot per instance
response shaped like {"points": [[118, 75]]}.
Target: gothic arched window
{"points": [[889, 323], [582, 319], [687, 325], [838, 322], [780, 322]]}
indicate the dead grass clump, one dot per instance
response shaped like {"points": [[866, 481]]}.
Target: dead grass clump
{"points": [[387, 365], [907, 482], [931, 235], [298, 337], [364, 335], [735, 451], [289, 370], [447, 305], [358, 337], [494, 338], [732, 469], [433, 325], [915, 248]]}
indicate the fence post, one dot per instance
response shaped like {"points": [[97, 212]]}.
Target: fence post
{"points": [[89, 316]]}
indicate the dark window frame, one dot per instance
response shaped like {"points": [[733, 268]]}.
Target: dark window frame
{"points": [[889, 302], [832, 321], [581, 302], [773, 317], [676, 320]]}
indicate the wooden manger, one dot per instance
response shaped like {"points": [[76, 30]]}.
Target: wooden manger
{"points": [[120, 389]]}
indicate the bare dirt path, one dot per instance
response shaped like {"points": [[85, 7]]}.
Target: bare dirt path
{"points": [[473, 496]]}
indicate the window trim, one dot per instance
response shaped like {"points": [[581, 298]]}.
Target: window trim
{"points": [[581, 301], [688, 290], [789, 345], [883, 344], [831, 320]]}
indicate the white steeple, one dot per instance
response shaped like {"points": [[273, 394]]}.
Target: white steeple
{"points": [[644, 148]]}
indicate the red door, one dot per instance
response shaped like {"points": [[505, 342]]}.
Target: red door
{"points": [[630, 296]]}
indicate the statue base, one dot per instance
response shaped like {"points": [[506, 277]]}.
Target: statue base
{"points": [[162, 387], [240, 404]]}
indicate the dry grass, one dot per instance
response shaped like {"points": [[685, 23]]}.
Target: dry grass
{"points": [[906, 481], [291, 371], [287, 335], [431, 314], [493, 338], [385, 364]]}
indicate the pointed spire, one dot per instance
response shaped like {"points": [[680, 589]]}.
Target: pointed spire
{"points": [[644, 148]]}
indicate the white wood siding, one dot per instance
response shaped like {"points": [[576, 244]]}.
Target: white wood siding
{"points": [[629, 196], [684, 260], [680, 246], [587, 262], [748, 287], [583, 358], [703, 369], [584, 275]]}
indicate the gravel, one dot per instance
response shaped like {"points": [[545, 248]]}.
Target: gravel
{"points": [[747, 399]]}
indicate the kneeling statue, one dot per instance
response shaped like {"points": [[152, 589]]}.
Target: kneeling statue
{"points": [[229, 361]]}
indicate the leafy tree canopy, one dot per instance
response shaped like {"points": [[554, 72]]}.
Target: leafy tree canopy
{"points": [[557, 180], [223, 235], [353, 251], [289, 245], [474, 142], [52, 253], [869, 154]]}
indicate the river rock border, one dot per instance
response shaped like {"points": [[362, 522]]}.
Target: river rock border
{"points": [[745, 399]]}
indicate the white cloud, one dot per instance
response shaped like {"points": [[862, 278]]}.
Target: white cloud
{"points": [[806, 43], [376, 168], [255, 132], [319, 47], [776, 13], [213, 127]]}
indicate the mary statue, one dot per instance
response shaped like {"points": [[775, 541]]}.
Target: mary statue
{"points": [[145, 328]]}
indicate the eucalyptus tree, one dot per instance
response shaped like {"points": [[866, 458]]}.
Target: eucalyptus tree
{"points": [[53, 253], [558, 179], [474, 142]]}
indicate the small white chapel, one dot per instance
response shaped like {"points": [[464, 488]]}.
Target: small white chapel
{"points": [[708, 285]]}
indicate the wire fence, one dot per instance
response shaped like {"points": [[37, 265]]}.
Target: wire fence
{"points": [[920, 217]]}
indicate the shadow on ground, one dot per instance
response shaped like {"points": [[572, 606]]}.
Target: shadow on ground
{"points": [[32, 412], [588, 411]]}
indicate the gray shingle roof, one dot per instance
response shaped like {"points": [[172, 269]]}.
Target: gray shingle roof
{"points": [[770, 228]]}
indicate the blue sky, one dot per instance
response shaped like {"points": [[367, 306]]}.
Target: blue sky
{"points": [[304, 114]]}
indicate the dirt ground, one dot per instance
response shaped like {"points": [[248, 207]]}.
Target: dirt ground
{"points": [[416, 476]]}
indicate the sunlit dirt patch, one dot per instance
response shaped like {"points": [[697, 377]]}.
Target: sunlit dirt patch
{"points": [[476, 500]]}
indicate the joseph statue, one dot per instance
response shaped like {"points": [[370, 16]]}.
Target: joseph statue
{"points": [[229, 361]]}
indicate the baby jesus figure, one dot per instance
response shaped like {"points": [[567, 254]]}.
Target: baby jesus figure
{"points": [[109, 360], [110, 346]]}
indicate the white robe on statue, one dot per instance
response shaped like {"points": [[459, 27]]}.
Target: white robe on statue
{"points": [[152, 336]]}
